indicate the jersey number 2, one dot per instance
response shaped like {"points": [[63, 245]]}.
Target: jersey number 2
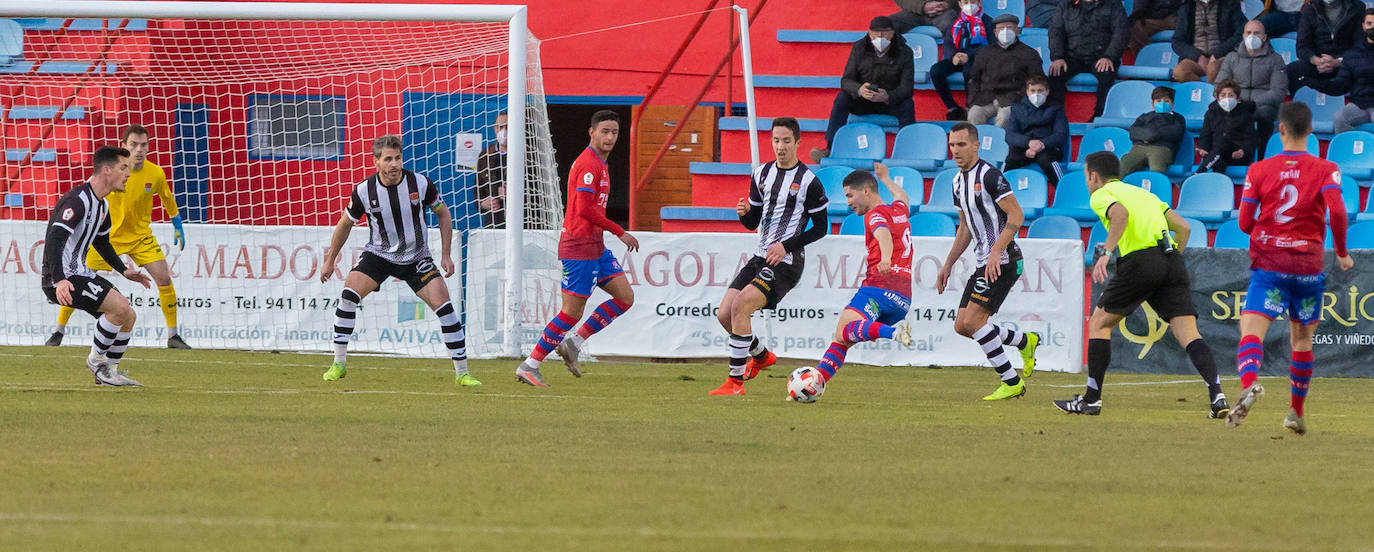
{"points": [[1289, 194]]}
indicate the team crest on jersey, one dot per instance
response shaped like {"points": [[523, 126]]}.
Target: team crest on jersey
{"points": [[148, 188], [796, 187], [415, 197], [1336, 177], [67, 213], [587, 179]]}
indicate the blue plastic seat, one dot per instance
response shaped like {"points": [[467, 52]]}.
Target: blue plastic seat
{"points": [[926, 30], [992, 146], [1071, 198], [1031, 189], [884, 121], [853, 225], [922, 145], [1350, 196], [1155, 61], [1113, 139], [1095, 236], [910, 181], [1353, 151], [1275, 145], [1125, 101], [832, 181], [1055, 227], [994, 8], [932, 225], [1229, 236], [1185, 159], [857, 145], [942, 195], [1360, 236], [1153, 182], [1286, 48], [1367, 214], [1324, 109], [1191, 100], [1041, 43], [926, 52], [1197, 233], [1252, 8], [1208, 197]]}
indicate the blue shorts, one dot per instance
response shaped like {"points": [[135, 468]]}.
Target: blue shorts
{"points": [[1273, 294], [880, 305], [580, 276]]}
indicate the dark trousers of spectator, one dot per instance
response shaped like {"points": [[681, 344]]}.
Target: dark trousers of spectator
{"points": [[1143, 29], [1217, 160], [1048, 161], [1277, 23], [1038, 14], [1059, 86], [939, 77], [1302, 73], [845, 105], [1265, 116], [904, 21]]}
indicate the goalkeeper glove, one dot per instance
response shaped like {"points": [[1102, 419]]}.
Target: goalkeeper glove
{"points": [[179, 237]]}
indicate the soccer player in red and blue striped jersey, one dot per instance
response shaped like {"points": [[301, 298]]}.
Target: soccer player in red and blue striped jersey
{"points": [[882, 303], [1284, 208], [582, 250]]}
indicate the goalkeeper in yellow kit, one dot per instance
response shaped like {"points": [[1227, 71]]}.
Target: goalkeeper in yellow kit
{"points": [[130, 212]]}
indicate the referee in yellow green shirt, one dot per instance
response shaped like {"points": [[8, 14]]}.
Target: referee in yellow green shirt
{"points": [[131, 211], [1150, 270]]}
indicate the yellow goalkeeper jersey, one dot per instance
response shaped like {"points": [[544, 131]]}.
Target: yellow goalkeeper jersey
{"points": [[132, 209]]}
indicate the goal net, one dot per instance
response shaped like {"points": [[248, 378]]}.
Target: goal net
{"points": [[263, 126]]}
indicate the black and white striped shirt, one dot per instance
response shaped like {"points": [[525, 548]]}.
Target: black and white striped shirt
{"points": [[396, 215], [976, 193], [787, 198], [78, 220]]}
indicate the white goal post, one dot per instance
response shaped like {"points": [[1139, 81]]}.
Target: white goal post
{"points": [[518, 158]]}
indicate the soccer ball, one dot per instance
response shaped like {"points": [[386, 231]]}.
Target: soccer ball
{"points": [[805, 385]]}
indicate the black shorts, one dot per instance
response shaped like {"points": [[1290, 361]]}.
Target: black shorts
{"points": [[88, 293], [978, 291], [1151, 276], [773, 281], [415, 274]]}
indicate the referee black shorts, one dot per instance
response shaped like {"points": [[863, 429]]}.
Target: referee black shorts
{"points": [[416, 274], [1150, 276]]}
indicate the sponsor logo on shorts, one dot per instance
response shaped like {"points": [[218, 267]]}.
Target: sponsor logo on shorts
{"points": [[980, 285], [766, 274], [1308, 310], [1273, 301]]}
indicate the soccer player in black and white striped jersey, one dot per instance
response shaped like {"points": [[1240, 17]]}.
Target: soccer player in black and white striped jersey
{"points": [[394, 201], [989, 218], [784, 197], [80, 222]]}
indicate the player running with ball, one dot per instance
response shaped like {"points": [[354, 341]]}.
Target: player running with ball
{"points": [[881, 304]]}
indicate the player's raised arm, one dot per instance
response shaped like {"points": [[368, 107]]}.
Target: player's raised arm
{"points": [[898, 194]]}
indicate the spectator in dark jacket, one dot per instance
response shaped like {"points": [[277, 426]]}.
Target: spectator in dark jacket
{"points": [[1039, 13], [1149, 17], [970, 32], [1037, 132], [1155, 136], [924, 13], [1281, 17], [491, 178], [1228, 134], [878, 79], [1086, 36], [1207, 31], [1356, 80], [1258, 69], [1326, 29], [997, 79]]}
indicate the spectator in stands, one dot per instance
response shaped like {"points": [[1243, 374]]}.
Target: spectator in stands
{"points": [[970, 32], [1086, 36], [1039, 13], [924, 13], [491, 178], [1207, 31], [1148, 18], [997, 78], [1326, 29], [1228, 134], [878, 79], [1155, 136], [1356, 79], [1037, 132], [1258, 69], [1281, 17]]}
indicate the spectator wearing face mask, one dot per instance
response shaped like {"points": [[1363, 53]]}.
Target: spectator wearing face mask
{"points": [[997, 79], [1155, 136], [1228, 134], [1326, 29], [1356, 79], [878, 79], [924, 13], [970, 32], [1259, 71], [1086, 36], [1037, 132], [1207, 31], [1149, 17], [491, 178]]}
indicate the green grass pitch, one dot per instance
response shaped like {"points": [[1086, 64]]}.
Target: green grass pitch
{"points": [[252, 451]]}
